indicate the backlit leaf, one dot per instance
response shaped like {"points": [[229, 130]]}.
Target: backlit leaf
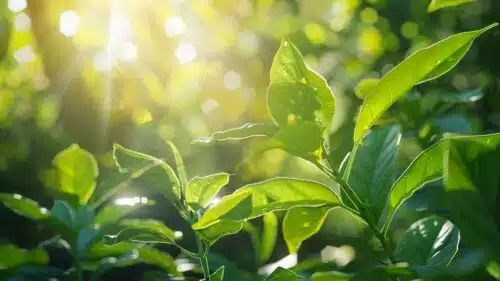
{"points": [[201, 191], [281, 274], [246, 131], [424, 65], [146, 231], [23, 206], [268, 237], [439, 4], [12, 256]]}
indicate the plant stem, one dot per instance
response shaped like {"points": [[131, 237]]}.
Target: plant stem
{"points": [[384, 242], [79, 271], [202, 255]]}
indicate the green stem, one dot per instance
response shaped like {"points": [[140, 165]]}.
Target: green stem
{"points": [[384, 242], [79, 271], [202, 255]]}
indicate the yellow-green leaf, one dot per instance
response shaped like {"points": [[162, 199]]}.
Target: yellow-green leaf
{"points": [[439, 4], [424, 65], [24, 206], [201, 191]]}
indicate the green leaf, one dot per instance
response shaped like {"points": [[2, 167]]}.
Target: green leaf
{"points": [[426, 167], [463, 97], [281, 274], [181, 169], [12, 256], [424, 65], [161, 177], [330, 276], [472, 186], [374, 168], [439, 4], [257, 199], [201, 191], [24, 206], [74, 173], [120, 208], [85, 238], [217, 275], [63, 213], [297, 93], [246, 131], [108, 263], [429, 245], [146, 231], [365, 87], [268, 237], [302, 223], [294, 140], [215, 232], [84, 217], [145, 254]]}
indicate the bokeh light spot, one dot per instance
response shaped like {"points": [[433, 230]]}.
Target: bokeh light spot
{"points": [[185, 53], [232, 80], [69, 23], [17, 5], [25, 55], [409, 29], [22, 22], [174, 26]]}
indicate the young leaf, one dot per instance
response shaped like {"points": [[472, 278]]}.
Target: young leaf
{"points": [[429, 244], [201, 191], [246, 131], [439, 4], [114, 211], [268, 237], [424, 65], [161, 177], [74, 173], [12, 256], [257, 199], [85, 238], [302, 223], [374, 168], [281, 274], [181, 169], [216, 231], [217, 275], [146, 231], [24, 206]]}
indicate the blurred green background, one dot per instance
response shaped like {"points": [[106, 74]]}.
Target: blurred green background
{"points": [[139, 73]]}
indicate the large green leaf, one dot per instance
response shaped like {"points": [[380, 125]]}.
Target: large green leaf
{"points": [[301, 139], [301, 223], [472, 185], [429, 244], [23, 206], [463, 97], [281, 274], [374, 168], [218, 275], [146, 231], [161, 177], [257, 199], [63, 213], [246, 131], [144, 254], [201, 191], [428, 166], [439, 4], [12, 256], [74, 173], [424, 65]]}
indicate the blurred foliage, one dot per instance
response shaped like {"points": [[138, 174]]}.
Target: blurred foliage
{"points": [[144, 72]]}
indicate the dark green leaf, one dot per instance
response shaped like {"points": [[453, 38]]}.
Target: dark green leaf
{"points": [[439, 4], [202, 190], [330, 276], [257, 199], [463, 97], [301, 223], [23, 206], [84, 217], [429, 245], [63, 213], [424, 65], [374, 168], [246, 131], [12, 256], [281, 274], [161, 177], [84, 239], [74, 173]]}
